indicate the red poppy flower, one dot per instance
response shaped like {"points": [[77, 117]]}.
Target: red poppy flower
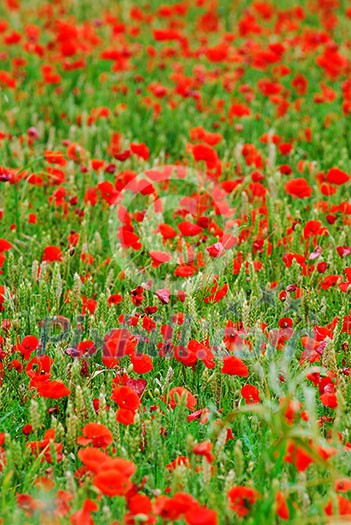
{"points": [[142, 363], [194, 351], [27, 503], [27, 429], [337, 176], [313, 228], [141, 150], [140, 504], [167, 231], [242, 499], [166, 35], [180, 460], [173, 508], [285, 148], [114, 299], [128, 401], [52, 253], [198, 515], [7, 80], [251, 394], [159, 258], [176, 395], [343, 251], [55, 157], [281, 506], [205, 153], [2, 297], [97, 164], [201, 134], [95, 434], [38, 369], [184, 270], [5, 245], [108, 192], [234, 366], [46, 445], [83, 349], [118, 343], [28, 345], [129, 239], [125, 416], [298, 188], [217, 294], [343, 507], [204, 449], [186, 356], [327, 189], [239, 110], [83, 516], [52, 389], [329, 400], [189, 229], [343, 485], [216, 250], [93, 458], [298, 456], [111, 482], [126, 397]]}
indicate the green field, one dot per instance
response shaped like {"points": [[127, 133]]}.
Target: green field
{"points": [[175, 262]]}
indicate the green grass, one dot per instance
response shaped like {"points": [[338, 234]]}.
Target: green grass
{"points": [[272, 272]]}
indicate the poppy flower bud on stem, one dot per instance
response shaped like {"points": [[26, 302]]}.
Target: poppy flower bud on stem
{"points": [[190, 305], [329, 356], [76, 292], [220, 443], [250, 466], [58, 427], [206, 472], [35, 270], [106, 511], [216, 381], [304, 498], [229, 481], [70, 483], [178, 478], [239, 461], [88, 403], [168, 379], [114, 426], [43, 270], [246, 314], [79, 401], [34, 415], [72, 425], [74, 373], [102, 406], [189, 444]]}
